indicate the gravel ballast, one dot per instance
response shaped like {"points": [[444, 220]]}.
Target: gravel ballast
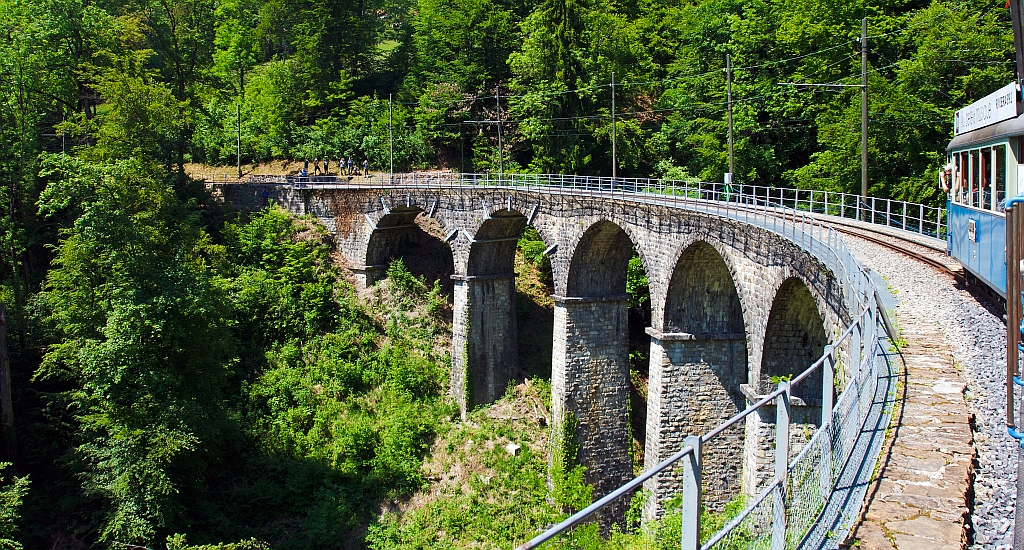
{"points": [[977, 338]]}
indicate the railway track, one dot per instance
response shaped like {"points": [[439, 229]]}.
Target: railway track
{"points": [[905, 247], [930, 255]]}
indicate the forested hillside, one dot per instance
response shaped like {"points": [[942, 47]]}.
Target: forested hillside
{"points": [[182, 374]]}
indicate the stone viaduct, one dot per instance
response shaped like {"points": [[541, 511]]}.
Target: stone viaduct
{"points": [[732, 305]]}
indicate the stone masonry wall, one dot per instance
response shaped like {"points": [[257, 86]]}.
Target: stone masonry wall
{"points": [[692, 389], [590, 380]]}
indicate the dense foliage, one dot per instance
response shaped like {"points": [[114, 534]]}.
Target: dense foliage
{"points": [[180, 370], [194, 80], [228, 387]]}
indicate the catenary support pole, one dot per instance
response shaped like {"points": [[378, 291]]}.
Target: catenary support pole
{"points": [[864, 108], [728, 92], [391, 143], [1018, 36], [238, 138], [615, 162], [501, 165]]}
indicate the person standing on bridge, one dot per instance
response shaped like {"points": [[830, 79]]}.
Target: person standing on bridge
{"points": [[366, 168], [350, 166]]}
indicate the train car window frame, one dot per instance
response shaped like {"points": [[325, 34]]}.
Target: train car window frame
{"points": [[972, 188], [985, 178], [965, 171], [999, 179]]}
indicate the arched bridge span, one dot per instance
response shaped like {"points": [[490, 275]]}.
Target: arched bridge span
{"points": [[732, 304]]}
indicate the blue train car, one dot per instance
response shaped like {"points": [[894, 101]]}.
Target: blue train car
{"points": [[984, 169]]}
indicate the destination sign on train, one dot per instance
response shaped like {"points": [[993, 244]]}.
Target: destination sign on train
{"points": [[995, 107]]}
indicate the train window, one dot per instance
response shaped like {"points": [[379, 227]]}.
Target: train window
{"points": [[999, 151], [984, 182], [972, 192], [962, 177]]}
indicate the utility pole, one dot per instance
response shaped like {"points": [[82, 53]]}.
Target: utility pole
{"points": [[864, 108], [728, 93], [238, 137], [615, 163], [497, 99], [238, 121], [391, 142]]}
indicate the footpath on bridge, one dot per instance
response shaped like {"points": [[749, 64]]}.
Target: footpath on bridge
{"points": [[918, 498]]}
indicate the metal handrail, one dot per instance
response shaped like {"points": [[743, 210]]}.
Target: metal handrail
{"points": [[735, 419], [583, 514], [898, 214]]}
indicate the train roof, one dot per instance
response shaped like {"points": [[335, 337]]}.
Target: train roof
{"points": [[1006, 128]]}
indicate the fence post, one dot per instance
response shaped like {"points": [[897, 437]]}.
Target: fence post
{"points": [[691, 494], [828, 367], [781, 467]]}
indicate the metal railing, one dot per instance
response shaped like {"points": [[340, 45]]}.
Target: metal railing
{"points": [[783, 513], [917, 218], [788, 510]]}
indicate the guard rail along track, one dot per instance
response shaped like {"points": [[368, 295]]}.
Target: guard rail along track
{"points": [[816, 492]]}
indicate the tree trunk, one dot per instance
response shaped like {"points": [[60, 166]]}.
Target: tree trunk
{"points": [[6, 408]]}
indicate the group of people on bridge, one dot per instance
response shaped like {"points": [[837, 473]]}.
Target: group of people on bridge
{"points": [[346, 167]]}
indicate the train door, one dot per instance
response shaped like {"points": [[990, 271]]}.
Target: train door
{"points": [[971, 254]]}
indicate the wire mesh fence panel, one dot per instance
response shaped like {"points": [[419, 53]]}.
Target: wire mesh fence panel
{"points": [[806, 476], [751, 529]]}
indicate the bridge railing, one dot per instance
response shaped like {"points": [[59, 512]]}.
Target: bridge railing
{"points": [[797, 507], [914, 217], [897, 214]]}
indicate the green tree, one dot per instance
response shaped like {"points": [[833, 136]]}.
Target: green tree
{"points": [[10, 501], [142, 338]]}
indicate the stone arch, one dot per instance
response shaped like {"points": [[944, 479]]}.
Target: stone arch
{"points": [[794, 339], [702, 298], [492, 250], [401, 231], [485, 340], [698, 365], [590, 365], [597, 268]]}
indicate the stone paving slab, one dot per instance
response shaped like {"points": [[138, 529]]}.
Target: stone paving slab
{"points": [[918, 499]]}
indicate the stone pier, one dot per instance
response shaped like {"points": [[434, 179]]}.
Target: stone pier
{"points": [[590, 389], [484, 345]]}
